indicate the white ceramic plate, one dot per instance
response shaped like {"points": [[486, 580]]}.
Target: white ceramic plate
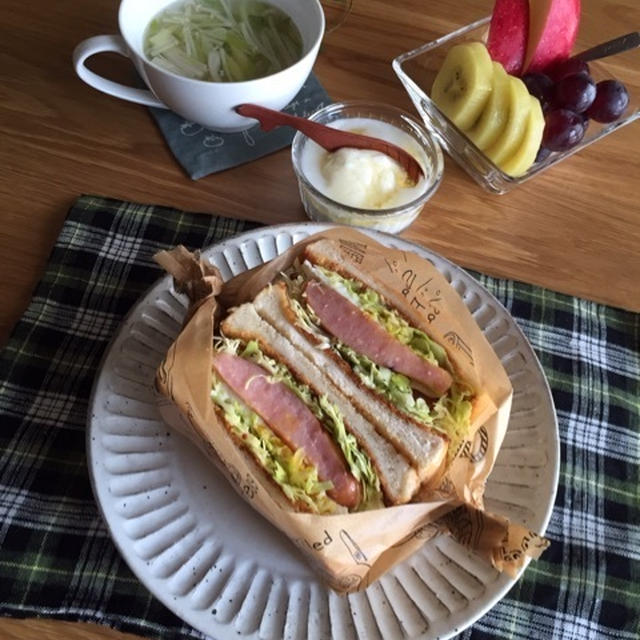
{"points": [[225, 570]]}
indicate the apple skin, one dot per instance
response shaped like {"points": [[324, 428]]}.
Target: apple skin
{"points": [[553, 29], [508, 34]]}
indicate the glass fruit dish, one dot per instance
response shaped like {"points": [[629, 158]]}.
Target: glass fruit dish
{"points": [[418, 68]]}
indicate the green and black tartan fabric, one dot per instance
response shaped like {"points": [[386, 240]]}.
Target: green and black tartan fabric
{"points": [[57, 559]]}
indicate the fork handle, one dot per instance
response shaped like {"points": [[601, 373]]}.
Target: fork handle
{"points": [[611, 47]]}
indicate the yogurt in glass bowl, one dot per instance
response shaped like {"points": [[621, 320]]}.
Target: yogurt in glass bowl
{"points": [[366, 188]]}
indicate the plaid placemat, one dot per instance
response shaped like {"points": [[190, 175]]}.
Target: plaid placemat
{"points": [[57, 559]]}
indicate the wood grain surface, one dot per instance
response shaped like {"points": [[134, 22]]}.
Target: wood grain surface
{"points": [[575, 229]]}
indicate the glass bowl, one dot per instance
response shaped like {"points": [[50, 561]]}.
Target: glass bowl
{"points": [[320, 207], [335, 13], [418, 68]]}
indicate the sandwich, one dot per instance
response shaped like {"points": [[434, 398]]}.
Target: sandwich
{"points": [[339, 400]]}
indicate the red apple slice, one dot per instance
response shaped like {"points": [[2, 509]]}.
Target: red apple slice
{"points": [[508, 34], [553, 29]]}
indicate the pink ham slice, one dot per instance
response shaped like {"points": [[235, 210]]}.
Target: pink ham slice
{"points": [[352, 326], [291, 420]]}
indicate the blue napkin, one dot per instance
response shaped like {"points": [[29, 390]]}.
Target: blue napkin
{"points": [[202, 152]]}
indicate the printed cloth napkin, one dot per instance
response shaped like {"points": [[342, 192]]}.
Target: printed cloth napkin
{"points": [[57, 559], [201, 151]]}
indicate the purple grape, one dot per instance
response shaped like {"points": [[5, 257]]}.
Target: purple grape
{"points": [[612, 98], [563, 130], [575, 93], [585, 120], [543, 154], [540, 86], [569, 67]]}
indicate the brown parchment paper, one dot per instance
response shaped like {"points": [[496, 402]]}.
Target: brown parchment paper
{"points": [[351, 551]]}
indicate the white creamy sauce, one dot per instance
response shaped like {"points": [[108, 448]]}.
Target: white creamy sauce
{"points": [[362, 178]]}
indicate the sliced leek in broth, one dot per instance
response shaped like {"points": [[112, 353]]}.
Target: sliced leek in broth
{"points": [[222, 40]]}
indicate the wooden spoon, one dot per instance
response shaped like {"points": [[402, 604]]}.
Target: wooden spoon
{"points": [[331, 139]]}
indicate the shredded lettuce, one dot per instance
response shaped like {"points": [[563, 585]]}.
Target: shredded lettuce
{"points": [[453, 412], [329, 415], [298, 480], [450, 414], [309, 322], [396, 387], [358, 461]]}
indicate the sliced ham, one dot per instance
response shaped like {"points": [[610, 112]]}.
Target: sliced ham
{"points": [[291, 420], [352, 326]]}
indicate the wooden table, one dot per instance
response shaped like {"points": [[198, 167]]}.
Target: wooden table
{"points": [[575, 229]]}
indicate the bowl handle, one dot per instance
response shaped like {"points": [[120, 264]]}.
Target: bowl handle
{"points": [[116, 44]]}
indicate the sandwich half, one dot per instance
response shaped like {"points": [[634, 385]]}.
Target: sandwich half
{"points": [[368, 333]]}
